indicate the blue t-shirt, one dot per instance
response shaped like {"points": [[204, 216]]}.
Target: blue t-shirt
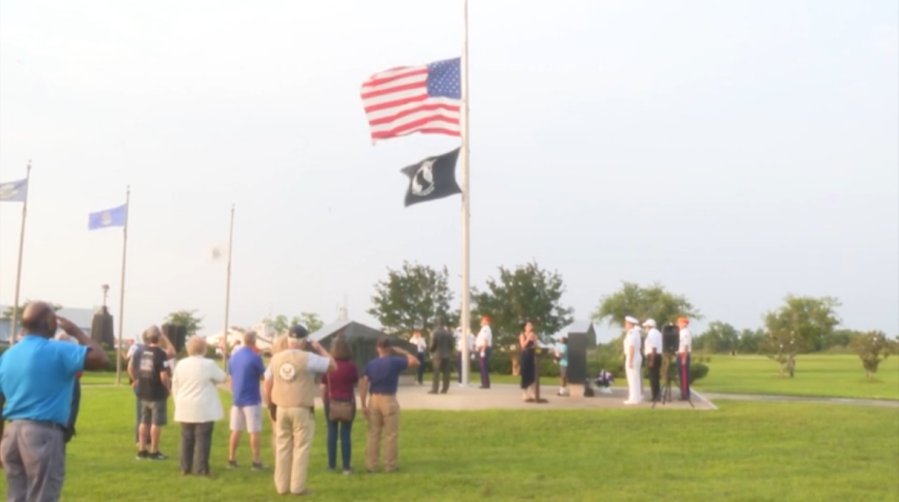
{"points": [[246, 369], [383, 374], [37, 377], [563, 355]]}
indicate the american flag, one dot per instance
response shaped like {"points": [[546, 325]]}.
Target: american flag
{"points": [[412, 99]]}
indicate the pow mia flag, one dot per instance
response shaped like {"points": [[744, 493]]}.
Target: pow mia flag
{"points": [[433, 178]]}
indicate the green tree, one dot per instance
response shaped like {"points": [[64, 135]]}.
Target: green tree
{"points": [[7, 312], [872, 348], [783, 345], [187, 318], [311, 320], [812, 319], [413, 296], [527, 293], [750, 340], [282, 323], [718, 337], [653, 302], [837, 338]]}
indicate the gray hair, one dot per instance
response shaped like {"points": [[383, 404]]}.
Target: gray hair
{"points": [[196, 346], [249, 338], [152, 335]]}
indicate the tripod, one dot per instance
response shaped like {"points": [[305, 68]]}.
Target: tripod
{"points": [[665, 394]]}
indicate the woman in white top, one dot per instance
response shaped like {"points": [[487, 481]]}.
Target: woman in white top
{"points": [[197, 405], [633, 360], [422, 346]]}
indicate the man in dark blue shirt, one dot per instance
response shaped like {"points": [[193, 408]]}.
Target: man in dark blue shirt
{"points": [[381, 379], [246, 370], [37, 379]]}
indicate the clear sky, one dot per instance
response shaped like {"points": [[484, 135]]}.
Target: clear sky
{"points": [[734, 151]]}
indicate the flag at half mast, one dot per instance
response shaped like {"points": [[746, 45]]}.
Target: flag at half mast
{"points": [[414, 99]]}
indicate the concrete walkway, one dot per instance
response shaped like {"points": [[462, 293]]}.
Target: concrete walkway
{"points": [[802, 399], [508, 397]]}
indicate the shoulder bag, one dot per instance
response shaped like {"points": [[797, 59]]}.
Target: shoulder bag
{"points": [[339, 411]]}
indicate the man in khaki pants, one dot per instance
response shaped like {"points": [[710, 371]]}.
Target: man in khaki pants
{"points": [[381, 379], [290, 389]]}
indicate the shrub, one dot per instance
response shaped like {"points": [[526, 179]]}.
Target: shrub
{"points": [[698, 371]]}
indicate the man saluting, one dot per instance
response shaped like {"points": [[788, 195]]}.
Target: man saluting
{"points": [[37, 378]]}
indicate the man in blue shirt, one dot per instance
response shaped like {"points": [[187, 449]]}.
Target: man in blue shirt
{"points": [[246, 370], [37, 378], [381, 379]]}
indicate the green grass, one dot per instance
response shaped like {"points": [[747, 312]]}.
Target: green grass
{"points": [[824, 375], [817, 375], [744, 451]]}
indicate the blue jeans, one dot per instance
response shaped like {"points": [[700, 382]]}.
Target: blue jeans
{"points": [[344, 429], [421, 367]]}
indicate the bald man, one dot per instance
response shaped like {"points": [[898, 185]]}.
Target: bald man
{"points": [[37, 378]]}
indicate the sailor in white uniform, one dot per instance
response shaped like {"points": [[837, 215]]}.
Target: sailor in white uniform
{"points": [[633, 360]]}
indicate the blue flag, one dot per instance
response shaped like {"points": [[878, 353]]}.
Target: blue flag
{"points": [[14, 191], [115, 217]]}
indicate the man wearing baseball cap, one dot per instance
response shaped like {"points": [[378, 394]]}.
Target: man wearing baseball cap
{"points": [[685, 344], [652, 350], [289, 388]]}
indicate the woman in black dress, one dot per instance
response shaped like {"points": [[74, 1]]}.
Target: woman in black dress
{"points": [[528, 342]]}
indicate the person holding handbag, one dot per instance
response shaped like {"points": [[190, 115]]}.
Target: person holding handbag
{"points": [[338, 394]]}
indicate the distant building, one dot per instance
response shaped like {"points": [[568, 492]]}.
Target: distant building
{"points": [[83, 318]]}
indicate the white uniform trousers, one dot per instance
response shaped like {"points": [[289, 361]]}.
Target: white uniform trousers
{"points": [[634, 381]]}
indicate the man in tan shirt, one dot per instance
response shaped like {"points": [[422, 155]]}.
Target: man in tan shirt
{"points": [[290, 388]]}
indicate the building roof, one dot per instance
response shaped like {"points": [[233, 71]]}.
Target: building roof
{"points": [[83, 318], [350, 330]]}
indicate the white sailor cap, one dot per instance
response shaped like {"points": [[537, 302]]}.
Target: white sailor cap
{"points": [[632, 320]]}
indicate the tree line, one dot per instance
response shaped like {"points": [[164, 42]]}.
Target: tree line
{"points": [[414, 295]]}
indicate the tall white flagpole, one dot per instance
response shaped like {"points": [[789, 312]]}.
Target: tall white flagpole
{"points": [[13, 322], [228, 288], [466, 200], [118, 363]]}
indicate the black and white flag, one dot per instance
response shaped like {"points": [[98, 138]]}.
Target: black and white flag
{"points": [[433, 178]]}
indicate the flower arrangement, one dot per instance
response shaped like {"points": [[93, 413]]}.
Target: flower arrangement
{"points": [[604, 379]]}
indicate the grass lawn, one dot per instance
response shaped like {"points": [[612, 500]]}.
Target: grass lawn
{"points": [[818, 375], [821, 375], [744, 451]]}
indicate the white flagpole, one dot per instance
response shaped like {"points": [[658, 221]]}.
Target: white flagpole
{"points": [[13, 322], [228, 289], [466, 200], [118, 363]]}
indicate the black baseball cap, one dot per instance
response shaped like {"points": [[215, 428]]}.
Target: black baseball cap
{"points": [[298, 331]]}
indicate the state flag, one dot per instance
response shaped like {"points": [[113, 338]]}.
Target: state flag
{"points": [[114, 217]]}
